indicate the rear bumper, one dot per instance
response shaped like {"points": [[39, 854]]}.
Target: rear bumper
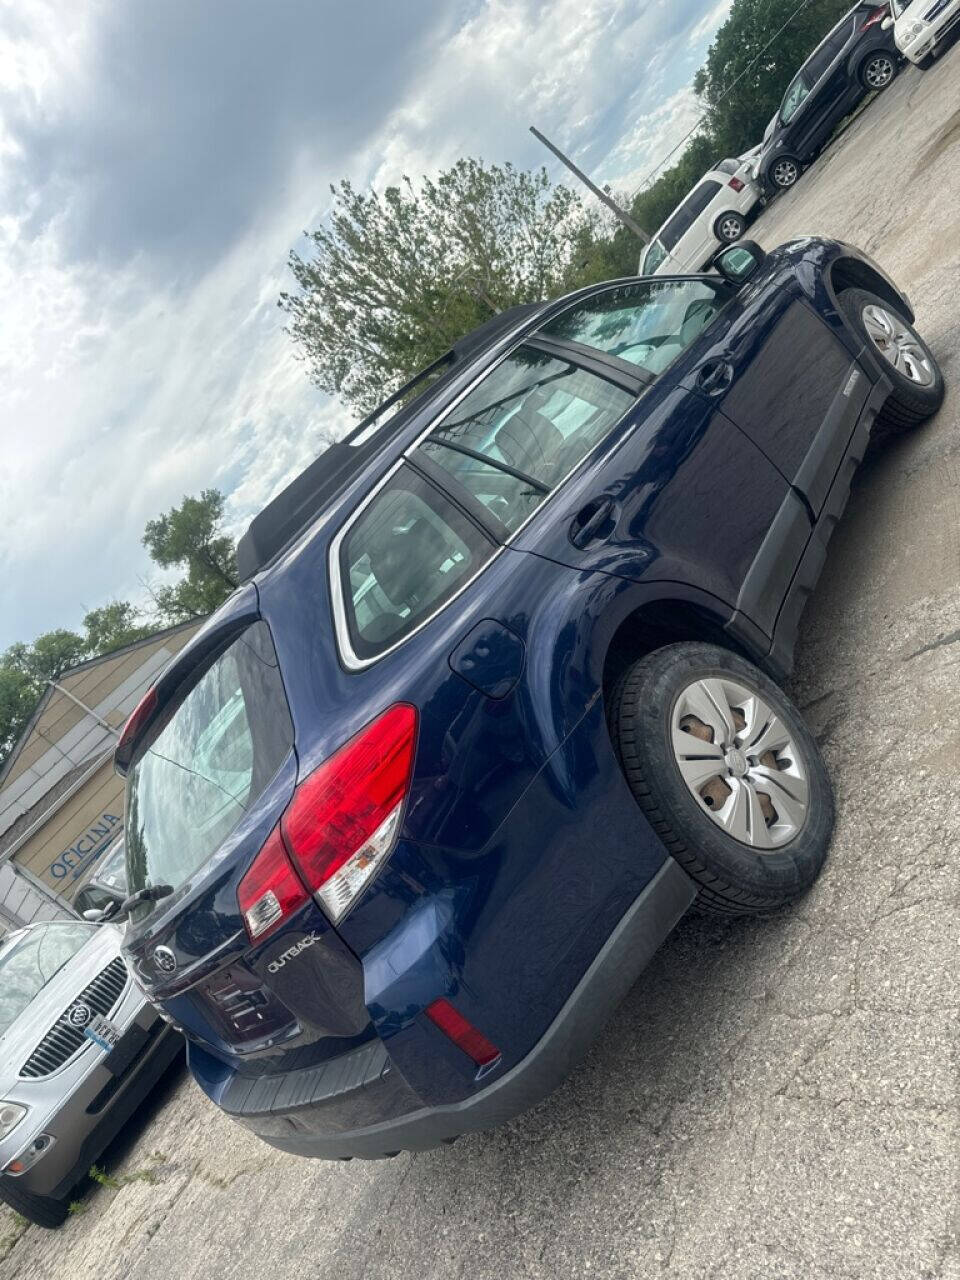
{"points": [[360, 1105]]}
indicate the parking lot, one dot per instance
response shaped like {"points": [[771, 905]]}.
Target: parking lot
{"points": [[776, 1098]]}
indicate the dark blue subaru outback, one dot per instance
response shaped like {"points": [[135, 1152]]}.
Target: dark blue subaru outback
{"points": [[497, 701]]}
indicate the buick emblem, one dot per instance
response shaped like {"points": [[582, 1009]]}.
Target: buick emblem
{"points": [[78, 1015], [164, 959]]}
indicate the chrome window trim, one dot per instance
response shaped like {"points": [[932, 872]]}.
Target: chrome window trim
{"points": [[348, 657]]}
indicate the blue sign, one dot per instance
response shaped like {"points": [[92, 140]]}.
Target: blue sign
{"points": [[91, 844]]}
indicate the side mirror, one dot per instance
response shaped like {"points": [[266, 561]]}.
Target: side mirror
{"points": [[739, 262], [887, 23], [100, 915]]}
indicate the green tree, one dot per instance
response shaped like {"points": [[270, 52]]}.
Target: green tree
{"points": [[112, 626], [393, 280], [191, 537], [741, 98], [18, 697]]}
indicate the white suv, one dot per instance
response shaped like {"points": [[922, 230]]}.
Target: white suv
{"points": [[713, 215], [920, 26]]}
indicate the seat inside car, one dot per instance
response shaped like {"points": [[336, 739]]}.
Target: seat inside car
{"points": [[528, 440]]}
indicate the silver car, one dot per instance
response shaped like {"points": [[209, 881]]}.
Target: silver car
{"points": [[80, 1047]]}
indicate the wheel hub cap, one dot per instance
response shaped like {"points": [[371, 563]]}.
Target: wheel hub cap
{"points": [[899, 345], [740, 762], [736, 762]]}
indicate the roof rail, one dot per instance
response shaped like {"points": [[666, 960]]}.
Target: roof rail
{"points": [[289, 513]]}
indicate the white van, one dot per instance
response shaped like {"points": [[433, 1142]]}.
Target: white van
{"points": [[714, 214]]}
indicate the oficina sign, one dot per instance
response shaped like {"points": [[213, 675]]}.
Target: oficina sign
{"points": [[93, 841]]}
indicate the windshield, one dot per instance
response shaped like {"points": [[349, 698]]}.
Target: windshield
{"points": [[209, 764], [30, 959], [792, 98], [656, 254], [900, 7]]}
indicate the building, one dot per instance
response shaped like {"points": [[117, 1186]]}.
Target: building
{"points": [[61, 804]]}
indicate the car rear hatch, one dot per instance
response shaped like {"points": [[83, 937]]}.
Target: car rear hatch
{"points": [[211, 768]]}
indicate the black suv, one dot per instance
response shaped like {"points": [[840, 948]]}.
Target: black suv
{"points": [[857, 57]]}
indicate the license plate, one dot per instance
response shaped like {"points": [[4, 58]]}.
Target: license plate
{"points": [[102, 1032]]}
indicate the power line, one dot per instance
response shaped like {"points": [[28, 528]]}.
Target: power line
{"points": [[730, 87]]}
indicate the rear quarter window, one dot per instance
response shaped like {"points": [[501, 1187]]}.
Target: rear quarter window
{"points": [[209, 764], [408, 553]]}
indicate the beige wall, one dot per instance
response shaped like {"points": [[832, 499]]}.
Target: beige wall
{"points": [[92, 685], [63, 851]]}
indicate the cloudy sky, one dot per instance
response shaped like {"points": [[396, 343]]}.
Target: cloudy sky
{"points": [[158, 160]]}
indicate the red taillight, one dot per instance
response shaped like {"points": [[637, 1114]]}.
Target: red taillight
{"points": [[271, 890], [138, 718], [463, 1033], [337, 829], [342, 819], [877, 15], [737, 184]]}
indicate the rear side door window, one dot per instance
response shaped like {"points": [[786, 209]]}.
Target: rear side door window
{"points": [[408, 554], [647, 324]]}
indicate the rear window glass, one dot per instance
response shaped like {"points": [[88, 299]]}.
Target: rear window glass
{"points": [[30, 960], [523, 429], [700, 199], [409, 552], [209, 764]]}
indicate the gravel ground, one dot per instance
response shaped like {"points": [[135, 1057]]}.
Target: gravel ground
{"points": [[775, 1099]]}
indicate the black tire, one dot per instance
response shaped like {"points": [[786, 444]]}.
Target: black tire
{"points": [[926, 63], [870, 75], [908, 404], [784, 172], [42, 1211], [729, 227], [733, 878]]}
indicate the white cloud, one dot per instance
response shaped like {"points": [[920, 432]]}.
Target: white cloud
{"points": [[124, 382]]}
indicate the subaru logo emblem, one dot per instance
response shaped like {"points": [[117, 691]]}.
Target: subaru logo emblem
{"points": [[78, 1015], [164, 959]]}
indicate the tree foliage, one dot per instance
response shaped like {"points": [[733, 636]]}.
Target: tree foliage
{"points": [[741, 98], [191, 537], [393, 280]]}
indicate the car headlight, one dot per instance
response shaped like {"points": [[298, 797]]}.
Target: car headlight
{"points": [[11, 1113], [916, 29]]}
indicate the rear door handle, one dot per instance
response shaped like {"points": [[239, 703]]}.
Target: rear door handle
{"points": [[714, 377], [589, 524]]}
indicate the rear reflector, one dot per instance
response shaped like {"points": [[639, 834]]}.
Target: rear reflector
{"points": [[270, 891], [737, 184], [877, 15], [463, 1033], [342, 820]]}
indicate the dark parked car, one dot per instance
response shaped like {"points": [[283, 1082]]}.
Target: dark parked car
{"points": [[496, 701], [856, 58], [80, 1048]]}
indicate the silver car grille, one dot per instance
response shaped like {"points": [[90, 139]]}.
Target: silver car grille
{"points": [[935, 11], [63, 1040]]}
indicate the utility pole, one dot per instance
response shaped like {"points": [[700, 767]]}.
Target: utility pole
{"points": [[601, 195]]}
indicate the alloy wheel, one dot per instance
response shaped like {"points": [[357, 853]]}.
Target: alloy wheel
{"points": [[740, 762], [785, 173], [730, 229], [879, 72], [898, 344]]}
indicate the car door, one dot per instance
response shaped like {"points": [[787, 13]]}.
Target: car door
{"points": [[699, 242], [829, 97], [583, 455]]}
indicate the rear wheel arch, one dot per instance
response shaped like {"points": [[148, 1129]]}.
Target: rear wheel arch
{"points": [[666, 620]]}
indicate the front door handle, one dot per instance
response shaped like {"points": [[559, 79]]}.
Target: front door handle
{"points": [[714, 377], [590, 522]]}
